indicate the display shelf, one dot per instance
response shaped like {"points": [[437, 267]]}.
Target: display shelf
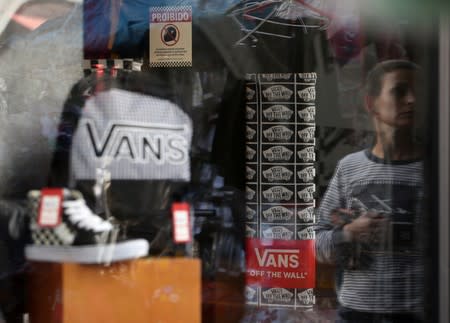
{"points": [[144, 290]]}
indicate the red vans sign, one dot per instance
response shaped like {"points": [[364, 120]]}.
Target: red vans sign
{"points": [[281, 263]]}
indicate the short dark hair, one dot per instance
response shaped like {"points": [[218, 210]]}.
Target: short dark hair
{"points": [[374, 77]]}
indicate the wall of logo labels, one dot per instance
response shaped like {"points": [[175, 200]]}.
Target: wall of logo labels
{"points": [[280, 188]]}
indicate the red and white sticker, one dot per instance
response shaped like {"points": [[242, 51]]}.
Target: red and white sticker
{"points": [[181, 223], [281, 263], [50, 207]]}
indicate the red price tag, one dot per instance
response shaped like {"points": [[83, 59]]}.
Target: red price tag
{"points": [[181, 223], [50, 207]]}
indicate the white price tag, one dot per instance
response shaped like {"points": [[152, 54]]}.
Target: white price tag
{"points": [[181, 223], [50, 207]]}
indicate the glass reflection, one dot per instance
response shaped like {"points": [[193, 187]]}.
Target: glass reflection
{"points": [[369, 217]]}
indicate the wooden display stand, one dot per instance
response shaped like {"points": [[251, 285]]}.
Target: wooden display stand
{"points": [[144, 290]]}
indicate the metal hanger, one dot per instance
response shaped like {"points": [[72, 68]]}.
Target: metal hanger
{"points": [[246, 10]]}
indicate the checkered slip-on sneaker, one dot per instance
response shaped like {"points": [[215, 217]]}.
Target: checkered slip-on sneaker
{"points": [[64, 229]]}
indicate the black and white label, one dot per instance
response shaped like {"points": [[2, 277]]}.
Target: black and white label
{"points": [[307, 113], [278, 193], [278, 113], [278, 213], [278, 153], [280, 232], [306, 193], [307, 94], [306, 133], [306, 153], [278, 133], [250, 212], [306, 233], [306, 297], [307, 77], [279, 296], [306, 173], [277, 173], [250, 112], [306, 214], [278, 93]]}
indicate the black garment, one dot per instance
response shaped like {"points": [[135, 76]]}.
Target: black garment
{"points": [[13, 236]]}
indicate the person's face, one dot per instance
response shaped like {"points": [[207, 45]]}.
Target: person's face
{"points": [[396, 102]]}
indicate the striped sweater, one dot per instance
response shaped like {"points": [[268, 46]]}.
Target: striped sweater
{"points": [[386, 276]]}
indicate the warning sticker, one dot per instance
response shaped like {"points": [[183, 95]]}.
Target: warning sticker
{"points": [[171, 36]]}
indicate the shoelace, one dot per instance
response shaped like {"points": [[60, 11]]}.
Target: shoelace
{"points": [[80, 214]]}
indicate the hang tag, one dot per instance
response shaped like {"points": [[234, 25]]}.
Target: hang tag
{"points": [[50, 207], [181, 223]]}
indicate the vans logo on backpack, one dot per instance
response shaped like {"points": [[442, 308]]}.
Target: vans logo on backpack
{"points": [[139, 142]]}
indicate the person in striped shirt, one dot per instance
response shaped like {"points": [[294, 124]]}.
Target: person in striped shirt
{"points": [[369, 215]]}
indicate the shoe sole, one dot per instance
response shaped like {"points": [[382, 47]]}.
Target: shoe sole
{"points": [[91, 254]]}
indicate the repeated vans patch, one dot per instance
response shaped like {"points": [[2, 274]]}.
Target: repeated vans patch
{"points": [[306, 214], [278, 213], [250, 173], [278, 232], [307, 133], [275, 76], [250, 94], [307, 114], [307, 154], [250, 77], [278, 112], [308, 94], [250, 193], [278, 174], [306, 297], [278, 93], [250, 113], [306, 174], [307, 77], [250, 232], [250, 133], [250, 153], [278, 133], [278, 295], [306, 193], [277, 153], [250, 213], [306, 233], [278, 193], [251, 294]]}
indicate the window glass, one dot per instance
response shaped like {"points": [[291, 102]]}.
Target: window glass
{"points": [[281, 154]]}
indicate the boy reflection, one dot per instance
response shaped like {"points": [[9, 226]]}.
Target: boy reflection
{"points": [[368, 216]]}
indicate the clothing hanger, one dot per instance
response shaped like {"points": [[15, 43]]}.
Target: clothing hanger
{"points": [[245, 10], [250, 32], [315, 9], [298, 9]]}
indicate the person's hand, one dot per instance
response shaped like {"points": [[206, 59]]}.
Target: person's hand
{"points": [[340, 217], [365, 227]]}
